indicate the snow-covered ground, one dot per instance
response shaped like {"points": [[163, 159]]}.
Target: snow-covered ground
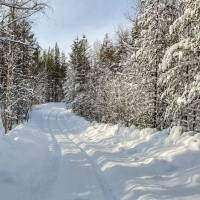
{"points": [[60, 156]]}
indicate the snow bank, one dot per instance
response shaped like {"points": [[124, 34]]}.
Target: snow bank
{"points": [[28, 163], [129, 163], [145, 164]]}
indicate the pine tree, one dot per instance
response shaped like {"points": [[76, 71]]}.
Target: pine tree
{"points": [[153, 23], [59, 73], [181, 67], [18, 47], [54, 64], [104, 70], [80, 65]]}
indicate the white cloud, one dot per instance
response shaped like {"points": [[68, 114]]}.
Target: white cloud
{"points": [[69, 18]]}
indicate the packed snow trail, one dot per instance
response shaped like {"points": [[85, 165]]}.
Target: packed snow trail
{"points": [[75, 165], [60, 156], [78, 178]]}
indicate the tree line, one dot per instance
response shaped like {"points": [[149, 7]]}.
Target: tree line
{"points": [[148, 76], [27, 76], [18, 58]]}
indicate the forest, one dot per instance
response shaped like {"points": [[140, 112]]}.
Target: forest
{"points": [[117, 119], [147, 75]]}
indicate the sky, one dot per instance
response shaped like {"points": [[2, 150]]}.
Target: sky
{"points": [[64, 20]]}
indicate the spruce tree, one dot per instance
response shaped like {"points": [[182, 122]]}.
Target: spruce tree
{"points": [[154, 20], [80, 64], [180, 67], [18, 47]]}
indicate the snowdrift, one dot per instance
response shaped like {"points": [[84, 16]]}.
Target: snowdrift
{"points": [[133, 164]]}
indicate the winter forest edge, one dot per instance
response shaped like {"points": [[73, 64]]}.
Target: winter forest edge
{"points": [[149, 76]]}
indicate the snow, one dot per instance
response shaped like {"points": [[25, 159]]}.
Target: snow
{"points": [[60, 156]]}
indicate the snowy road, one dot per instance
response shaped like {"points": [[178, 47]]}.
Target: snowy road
{"points": [[60, 156], [78, 177]]}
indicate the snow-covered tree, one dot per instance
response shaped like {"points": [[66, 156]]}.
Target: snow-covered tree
{"points": [[18, 47], [77, 77], [180, 67], [53, 64], [150, 40], [103, 72]]}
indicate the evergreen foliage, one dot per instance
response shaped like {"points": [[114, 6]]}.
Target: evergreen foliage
{"points": [[149, 76]]}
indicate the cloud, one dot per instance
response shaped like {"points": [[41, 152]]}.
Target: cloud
{"points": [[69, 18]]}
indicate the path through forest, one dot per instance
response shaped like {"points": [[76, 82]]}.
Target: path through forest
{"points": [[60, 156]]}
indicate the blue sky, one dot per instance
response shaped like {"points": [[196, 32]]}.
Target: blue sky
{"points": [[67, 19]]}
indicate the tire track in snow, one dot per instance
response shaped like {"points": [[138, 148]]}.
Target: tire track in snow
{"points": [[54, 145], [59, 135], [54, 148], [45, 180], [105, 187]]}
